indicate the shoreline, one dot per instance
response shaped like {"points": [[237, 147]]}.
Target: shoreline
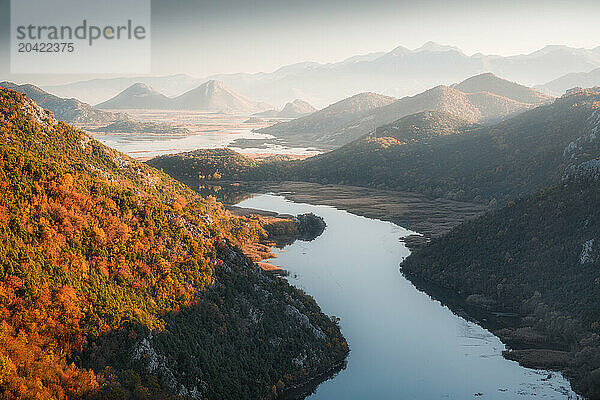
{"points": [[429, 217], [503, 323], [524, 346]]}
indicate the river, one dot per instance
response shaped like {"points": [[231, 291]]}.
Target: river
{"points": [[404, 345]]}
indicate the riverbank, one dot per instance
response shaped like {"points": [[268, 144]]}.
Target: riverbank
{"points": [[527, 345], [395, 331], [429, 217]]}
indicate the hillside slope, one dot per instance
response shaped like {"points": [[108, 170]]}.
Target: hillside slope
{"points": [[66, 110], [490, 164], [317, 127], [424, 125], [538, 257], [491, 83], [294, 109], [217, 96], [118, 282], [483, 106], [137, 96], [575, 79]]}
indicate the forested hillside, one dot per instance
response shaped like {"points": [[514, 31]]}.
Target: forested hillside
{"points": [[118, 282], [538, 257], [70, 110], [203, 164], [424, 125], [487, 164]]}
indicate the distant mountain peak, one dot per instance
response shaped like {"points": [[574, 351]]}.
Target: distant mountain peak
{"points": [[491, 83], [399, 51], [436, 47], [215, 95], [137, 96], [213, 83], [297, 107], [294, 109], [139, 88]]}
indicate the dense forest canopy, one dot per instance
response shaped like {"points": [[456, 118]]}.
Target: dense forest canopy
{"points": [[539, 257], [115, 279], [491, 164]]}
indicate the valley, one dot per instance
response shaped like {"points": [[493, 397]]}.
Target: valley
{"points": [[401, 340], [403, 224], [479, 168]]}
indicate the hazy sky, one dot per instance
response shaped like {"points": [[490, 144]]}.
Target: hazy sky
{"points": [[201, 38]]}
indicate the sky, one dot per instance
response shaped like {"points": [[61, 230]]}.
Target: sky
{"points": [[201, 38]]}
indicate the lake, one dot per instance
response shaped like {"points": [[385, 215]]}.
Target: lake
{"points": [[208, 130], [404, 345]]}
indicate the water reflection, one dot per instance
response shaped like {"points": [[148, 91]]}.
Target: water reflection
{"points": [[404, 345]]}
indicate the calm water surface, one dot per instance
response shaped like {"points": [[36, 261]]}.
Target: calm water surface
{"points": [[141, 145], [404, 345]]}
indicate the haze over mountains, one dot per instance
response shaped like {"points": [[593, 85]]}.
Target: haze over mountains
{"points": [[318, 127], [487, 98], [293, 109], [569, 81], [488, 82], [139, 95], [440, 155], [66, 110], [400, 72], [217, 96], [210, 96], [96, 91]]}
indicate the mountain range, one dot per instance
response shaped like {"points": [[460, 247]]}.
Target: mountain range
{"points": [[485, 98], [399, 72], [209, 96], [528, 268], [442, 155], [66, 110], [573, 80], [294, 109], [96, 91]]}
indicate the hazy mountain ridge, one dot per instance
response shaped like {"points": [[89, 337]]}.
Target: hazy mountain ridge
{"points": [[560, 85], [137, 96], [217, 96], [482, 106], [67, 110], [210, 96], [501, 87], [403, 72], [490, 164], [294, 109], [96, 91], [398, 73]]}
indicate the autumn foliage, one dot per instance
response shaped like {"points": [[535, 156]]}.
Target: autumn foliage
{"points": [[89, 240]]}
